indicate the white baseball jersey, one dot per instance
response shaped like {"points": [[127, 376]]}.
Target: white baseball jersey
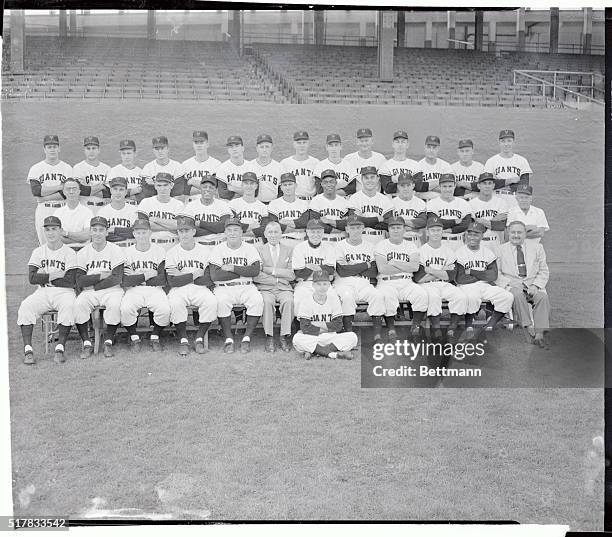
{"points": [[533, 217], [319, 314], [433, 171], [269, 179], [351, 254], [94, 262], [371, 206], [243, 256], [436, 258], [207, 213], [137, 262], [487, 210], [343, 169], [304, 254], [64, 258], [89, 175], [507, 168], [304, 174], [467, 173], [475, 259], [281, 208], [47, 174], [393, 167], [192, 168], [231, 174], [74, 220], [151, 169], [449, 210], [133, 176], [248, 213], [409, 209], [167, 212], [187, 261], [396, 252], [124, 217], [356, 162], [335, 209]]}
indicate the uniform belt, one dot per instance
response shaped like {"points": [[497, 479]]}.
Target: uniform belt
{"points": [[53, 204], [397, 277], [229, 284], [162, 241], [411, 238], [451, 238], [489, 238], [208, 243], [506, 192], [332, 239], [251, 240], [124, 244], [373, 231], [306, 198], [96, 203]]}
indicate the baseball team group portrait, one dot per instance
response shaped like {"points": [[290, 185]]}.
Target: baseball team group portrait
{"points": [[208, 228]]}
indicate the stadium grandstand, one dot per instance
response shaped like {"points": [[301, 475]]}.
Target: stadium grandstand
{"points": [[513, 58]]}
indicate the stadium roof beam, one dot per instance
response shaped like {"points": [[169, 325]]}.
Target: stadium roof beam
{"points": [[386, 38], [587, 29], [520, 29], [17, 22], [554, 30], [63, 23], [401, 29], [478, 29], [451, 25], [151, 29]]}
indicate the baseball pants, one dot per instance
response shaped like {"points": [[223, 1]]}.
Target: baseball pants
{"points": [[523, 310], [152, 298], [304, 289], [90, 299], [396, 291], [94, 204], [478, 291], [229, 296], [180, 298], [47, 299], [344, 341], [352, 290], [42, 211], [285, 300], [439, 291], [333, 238]]}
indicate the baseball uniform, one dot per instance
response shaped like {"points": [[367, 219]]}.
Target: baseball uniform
{"points": [[231, 175], [240, 290], [40, 175], [167, 212], [487, 210], [208, 215], [456, 208], [305, 254], [508, 168], [469, 173], [429, 172], [192, 168], [343, 169], [122, 220], [304, 175], [133, 176], [356, 162], [90, 175], [269, 179], [190, 294], [393, 167], [533, 217], [377, 206], [289, 210], [150, 171], [74, 220], [409, 209], [250, 213], [336, 209]]}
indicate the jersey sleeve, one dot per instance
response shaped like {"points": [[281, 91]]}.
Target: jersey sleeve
{"points": [[490, 165], [171, 258], [335, 305], [252, 254], [273, 207], [340, 252], [36, 257], [117, 257], [304, 308], [525, 167], [81, 260], [33, 174], [541, 220], [330, 256], [298, 260], [71, 259], [216, 255]]}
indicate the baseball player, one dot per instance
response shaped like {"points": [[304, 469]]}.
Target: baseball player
{"points": [[534, 218], [330, 207], [129, 170], [267, 170], [355, 265], [52, 267], [436, 274], [399, 163], [466, 170], [509, 166], [302, 166], [46, 180], [119, 214], [476, 272], [195, 168], [373, 208], [490, 211], [320, 315], [335, 162], [249, 210], [396, 261], [92, 173], [99, 274], [454, 213], [407, 206], [209, 213], [144, 279], [161, 210], [290, 211], [189, 280], [364, 157], [309, 256], [162, 163], [74, 215], [229, 173], [233, 265], [431, 168]]}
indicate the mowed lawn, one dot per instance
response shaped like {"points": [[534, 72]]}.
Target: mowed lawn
{"points": [[269, 437]]}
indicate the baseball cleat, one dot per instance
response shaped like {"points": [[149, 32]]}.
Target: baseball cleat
{"points": [[345, 355], [392, 334], [468, 335], [377, 337], [156, 345], [307, 355], [108, 350], [199, 347], [450, 335], [183, 349], [228, 347], [270, 344], [415, 332], [285, 344], [245, 346], [135, 345], [437, 336], [29, 359], [86, 352], [59, 357], [540, 342]]}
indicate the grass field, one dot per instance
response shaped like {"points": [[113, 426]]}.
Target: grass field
{"points": [[273, 437]]}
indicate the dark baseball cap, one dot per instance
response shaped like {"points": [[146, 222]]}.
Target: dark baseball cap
{"points": [[233, 222], [287, 178], [400, 134], [405, 177], [465, 143], [208, 178], [185, 222], [486, 176], [524, 189], [432, 140], [369, 169], [91, 140], [328, 173], [364, 133], [164, 177], [118, 181], [200, 136], [333, 138], [314, 223], [263, 138], [98, 221], [476, 227], [234, 140], [51, 139], [142, 223], [52, 221], [320, 276], [434, 221], [250, 177], [127, 144], [396, 221], [159, 141], [300, 135], [353, 220], [447, 178], [506, 133]]}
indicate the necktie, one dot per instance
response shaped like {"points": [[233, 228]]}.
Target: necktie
{"points": [[520, 260]]}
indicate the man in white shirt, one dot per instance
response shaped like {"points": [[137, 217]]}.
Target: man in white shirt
{"points": [[431, 168], [363, 158], [75, 217], [466, 170], [398, 164], [533, 217], [340, 165], [194, 169], [92, 174], [267, 169], [302, 165]]}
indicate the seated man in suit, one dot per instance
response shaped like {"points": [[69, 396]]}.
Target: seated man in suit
{"points": [[274, 283], [523, 271]]}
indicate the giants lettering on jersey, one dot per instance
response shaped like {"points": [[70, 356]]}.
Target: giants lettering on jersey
{"points": [[51, 177], [477, 264], [322, 317], [397, 171], [98, 264], [292, 214], [196, 173], [411, 213], [162, 214], [358, 258], [435, 261], [236, 261], [302, 172], [465, 177], [268, 179], [398, 256], [95, 177], [247, 213], [53, 264], [332, 212], [485, 213], [343, 176], [208, 217], [508, 169], [232, 178], [371, 209], [453, 213], [145, 264], [313, 260], [190, 263], [119, 222]]}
